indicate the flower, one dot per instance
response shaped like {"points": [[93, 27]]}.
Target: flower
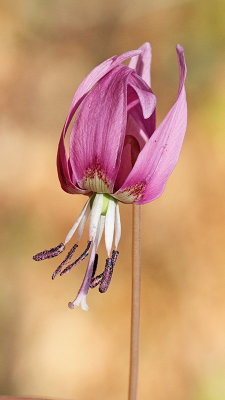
{"points": [[116, 153]]}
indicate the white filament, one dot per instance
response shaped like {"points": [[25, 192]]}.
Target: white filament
{"points": [[100, 230], [77, 222], [95, 215], [82, 222], [109, 225], [117, 226]]}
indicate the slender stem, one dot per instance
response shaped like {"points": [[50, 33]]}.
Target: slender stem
{"points": [[135, 307]]}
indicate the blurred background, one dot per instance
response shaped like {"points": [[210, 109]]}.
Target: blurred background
{"points": [[47, 350]]}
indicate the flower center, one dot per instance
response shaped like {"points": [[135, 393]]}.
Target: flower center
{"points": [[95, 180], [105, 204]]}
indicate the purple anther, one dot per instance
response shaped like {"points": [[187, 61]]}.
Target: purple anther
{"points": [[55, 251], [65, 261], [82, 257], [107, 276], [115, 254], [96, 280]]}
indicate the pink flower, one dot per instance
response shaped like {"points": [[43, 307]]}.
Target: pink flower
{"points": [[116, 153]]}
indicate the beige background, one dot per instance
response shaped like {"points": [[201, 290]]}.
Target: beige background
{"points": [[47, 47]]}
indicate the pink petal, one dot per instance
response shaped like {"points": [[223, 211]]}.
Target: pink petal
{"points": [[97, 136], [141, 104], [146, 97], [142, 62], [159, 156], [142, 65], [67, 179]]}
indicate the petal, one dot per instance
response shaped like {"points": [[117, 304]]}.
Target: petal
{"points": [[159, 156], [142, 65], [66, 177], [141, 106], [142, 62], [97, 136], [147, 104], [146, 98]]}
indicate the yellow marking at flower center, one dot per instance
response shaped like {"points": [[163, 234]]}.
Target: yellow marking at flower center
{"points": [[131, 194], [96, 180]]}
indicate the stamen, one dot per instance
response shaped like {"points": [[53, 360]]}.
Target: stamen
{"points": [[95, 264], [95, 215], [65, 261], [109, 225], [82, 257], [117, 226], [107, 276], [44, 255], [96, 280], [115, 254], [77, 222]]}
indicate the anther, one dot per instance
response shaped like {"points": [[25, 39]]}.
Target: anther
{"points": [[82, 257], [107, 276], [115, 254], [44, 255], [96, 280], [65, 261]]}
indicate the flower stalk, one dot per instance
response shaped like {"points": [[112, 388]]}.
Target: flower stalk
{"points": [[135, 304]]}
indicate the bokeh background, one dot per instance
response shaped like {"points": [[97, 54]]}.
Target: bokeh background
{"points": [[47, 350]]}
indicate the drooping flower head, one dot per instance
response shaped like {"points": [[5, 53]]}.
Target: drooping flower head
{"points": [[116, 153]]}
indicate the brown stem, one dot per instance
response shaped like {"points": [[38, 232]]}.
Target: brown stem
{"points": [[135, 307]]}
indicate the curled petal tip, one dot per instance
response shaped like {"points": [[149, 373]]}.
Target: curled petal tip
{"points": [[179, 48], [146, 45]]}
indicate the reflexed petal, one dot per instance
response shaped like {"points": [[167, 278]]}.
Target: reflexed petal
{"points": [[159, 156], [146, 98], [66, 177], [141, 105], [142, 63], [97, 136]]}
